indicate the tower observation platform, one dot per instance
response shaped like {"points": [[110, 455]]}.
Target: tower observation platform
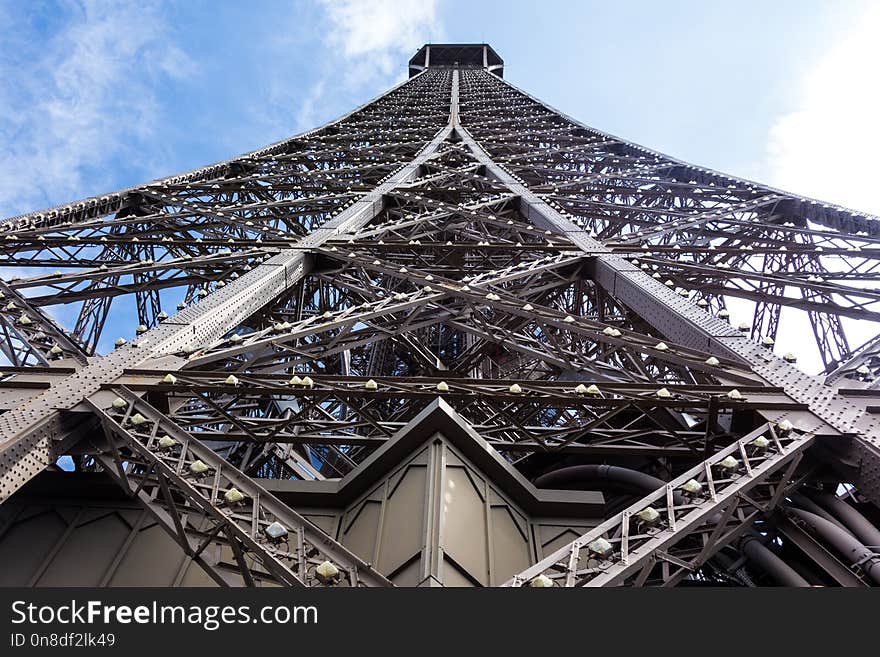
{"points": [[480, 55]]}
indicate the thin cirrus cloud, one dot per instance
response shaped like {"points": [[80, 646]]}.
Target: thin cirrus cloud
{"points": [[361, 45], [81, 103], [825, 147], [84, 87]]}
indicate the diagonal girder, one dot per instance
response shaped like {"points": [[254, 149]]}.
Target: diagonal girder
{"points": [[31, 337], [630, 544], [159, 463]]}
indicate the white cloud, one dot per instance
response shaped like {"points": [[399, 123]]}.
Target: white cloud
{"points": [[374, 35], [827, 148], [366, 46], [368, 26], [74, 103]]}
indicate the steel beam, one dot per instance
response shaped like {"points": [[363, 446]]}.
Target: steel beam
{"points": [[27, 432], [681, 320], [634, 540], [186, 478]]}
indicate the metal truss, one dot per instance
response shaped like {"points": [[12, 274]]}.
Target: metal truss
{"points": [[713, 236], [170, 234], [670, 533], [30, 338], [575, 298], [198, 495], [340, 420]]}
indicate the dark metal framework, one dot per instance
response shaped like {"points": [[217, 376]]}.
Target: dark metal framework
{"points": [[578, 300]]}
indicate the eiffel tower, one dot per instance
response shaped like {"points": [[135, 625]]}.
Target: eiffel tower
{"points": [[453, 338]]}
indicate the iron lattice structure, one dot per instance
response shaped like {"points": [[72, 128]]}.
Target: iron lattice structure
{"points": [[454, 337]]}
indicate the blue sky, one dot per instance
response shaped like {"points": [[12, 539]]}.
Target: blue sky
{"points": [[100, 95]]}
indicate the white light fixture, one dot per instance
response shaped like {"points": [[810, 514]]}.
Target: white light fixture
{"points": [[198, 467], [761, 443], [541, 582], [692, 487], [233, 496], [166, 442], [326, 573], [600, 547], [649, 516], [275, 531]]}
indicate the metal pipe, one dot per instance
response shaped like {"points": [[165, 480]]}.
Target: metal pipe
{"points": [[766, 560], [805, 503], [730, 567], [599, 474], [605, 477], [844, 542], [854, 521]]}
